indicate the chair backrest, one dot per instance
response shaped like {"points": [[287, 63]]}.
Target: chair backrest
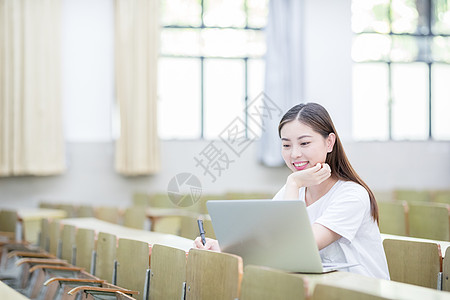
{"points": [[106, 255], [441, 196], [86, 211], [170, 225], [54, 236], [68, 241], [329, 292], [161, 200], [85, 243], [393, 217], [188, 227], [8, 221], [134, 217], [412, 262], [133, 260], [44, 237], [262, 283], [168, 272], [70, 209], [429, 221], [412, 195], [446, 271], [213, 275], [248, 195], [108, 213], [141, 199]]}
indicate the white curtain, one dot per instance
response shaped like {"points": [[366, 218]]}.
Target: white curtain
{"points": [[31, 136], [137, 39], [283, 81]]}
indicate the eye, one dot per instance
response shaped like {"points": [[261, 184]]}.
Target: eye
{"points": [[305, 143], [286, 146]]}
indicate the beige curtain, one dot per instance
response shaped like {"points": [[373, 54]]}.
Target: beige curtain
{"points": [[31, 137], [137, 39]]}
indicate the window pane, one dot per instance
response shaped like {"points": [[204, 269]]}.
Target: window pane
{"points": [[256, 73], [233, 43], [441, 17], [224, 94], [410, 101], [370, 101], [257, 13], [370, 16], [404, 16], [409, 48], [440, 49], [224, 13], [181, 12], [183, 42], [441, 103], [371, 47], [179, 98]]}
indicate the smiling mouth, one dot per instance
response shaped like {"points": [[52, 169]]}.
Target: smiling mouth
{"points": [[300, 165]]}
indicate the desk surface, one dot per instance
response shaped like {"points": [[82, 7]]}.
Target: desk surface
{"points": [[374, 286], [130, 233], [443, 244], [7, 292], [29, 214]]}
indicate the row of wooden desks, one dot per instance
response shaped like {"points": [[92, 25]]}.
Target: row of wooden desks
{"points": [[129, 233], [443, 244], [378, 287]]}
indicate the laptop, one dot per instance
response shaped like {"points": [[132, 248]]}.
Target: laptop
{"points": [[272, 233]]}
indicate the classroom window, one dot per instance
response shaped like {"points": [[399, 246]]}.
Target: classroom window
{"points": [[211, 64], [401, 54]]}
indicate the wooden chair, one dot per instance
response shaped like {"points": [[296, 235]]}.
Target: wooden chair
{"points": [[189, 227], [44, 236], [68, 236], [85, 246], [108, 213], [141, 199], [161, 200], [168, 273], [429, 221], [86, 211], [412, 195], [384, 196], [213, 275], [262, 283], [442, 196], [170, 225], [412, 262], [394, 217], [248, 195], [105, 293], [134, 217], [70, 209], [329, 292], [133, 261], [106, 255], [8, 222], [446, 271], [54, 244]]}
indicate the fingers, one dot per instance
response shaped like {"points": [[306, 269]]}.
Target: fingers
{"points": [[210, 244]]}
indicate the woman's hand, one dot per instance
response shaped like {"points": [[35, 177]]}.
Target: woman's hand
{"points": [[309, 177], [312, 176], [211, 244]]}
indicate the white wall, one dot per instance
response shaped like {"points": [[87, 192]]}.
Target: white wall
{"points": [[90, 177]]}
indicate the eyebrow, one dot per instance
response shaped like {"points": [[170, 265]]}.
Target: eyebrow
{"points": [[299, 138]]}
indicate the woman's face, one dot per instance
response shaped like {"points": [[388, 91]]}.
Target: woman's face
{"points": [[302, 147]]}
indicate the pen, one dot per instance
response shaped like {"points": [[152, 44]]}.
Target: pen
{"points": [[202, 231]]}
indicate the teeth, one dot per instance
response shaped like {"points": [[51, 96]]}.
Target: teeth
{"points": [[300, 164]]}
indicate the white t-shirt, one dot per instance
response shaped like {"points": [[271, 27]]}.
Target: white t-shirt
{"points": [[345, 209]]}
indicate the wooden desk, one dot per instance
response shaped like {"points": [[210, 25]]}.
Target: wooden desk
{"points": [[156, 213], [443, 244], [374, 286], [130, 233], [7, 292]]}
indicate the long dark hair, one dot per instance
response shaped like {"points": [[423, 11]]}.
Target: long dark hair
{"points": [[316, 116]]}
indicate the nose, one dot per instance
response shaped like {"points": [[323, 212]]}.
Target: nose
{"points": [[296, 152]]}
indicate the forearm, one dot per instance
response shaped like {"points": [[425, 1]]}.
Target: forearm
{"points": [[291, 190]]}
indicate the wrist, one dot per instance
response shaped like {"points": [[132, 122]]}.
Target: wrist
{"points": [[291, 182]]}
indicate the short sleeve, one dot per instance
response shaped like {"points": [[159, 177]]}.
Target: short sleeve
{"points": [[346, 210]]}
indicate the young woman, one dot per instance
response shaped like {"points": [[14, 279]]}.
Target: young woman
{"points": [[341, 207]]}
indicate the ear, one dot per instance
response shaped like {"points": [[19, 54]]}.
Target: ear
{"points": [[331, 139]]}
